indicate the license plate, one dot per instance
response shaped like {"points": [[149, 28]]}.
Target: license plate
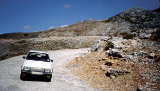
{"points": [[37, 73]]}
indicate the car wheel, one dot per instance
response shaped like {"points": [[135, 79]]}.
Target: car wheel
{"points": [[23, 76]]}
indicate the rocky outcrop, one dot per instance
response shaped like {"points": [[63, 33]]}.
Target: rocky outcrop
{"points": [[102, 45], [114, 53], [142, 53], [115, 47], [134, 22], [112, 73]]}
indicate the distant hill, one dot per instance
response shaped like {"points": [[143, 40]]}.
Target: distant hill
{"points": [[85, 28], [134, 22], [157, 10], [19, 35]]}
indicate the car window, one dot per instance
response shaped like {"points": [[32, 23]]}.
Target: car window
{"points": [[38, 56]]}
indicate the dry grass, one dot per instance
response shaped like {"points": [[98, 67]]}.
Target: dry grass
{"points": [[92, 69]]}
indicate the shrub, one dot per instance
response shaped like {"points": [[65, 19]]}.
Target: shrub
{"points": [[127, 35], [109, 45], [155, 35]]}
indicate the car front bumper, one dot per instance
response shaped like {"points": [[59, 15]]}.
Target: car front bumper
{"points": [[36, 73]]}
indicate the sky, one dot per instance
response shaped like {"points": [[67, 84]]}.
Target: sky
{"points": [[38, 15]]}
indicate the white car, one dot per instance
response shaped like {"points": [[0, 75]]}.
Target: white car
{"points": [[36, 63]]}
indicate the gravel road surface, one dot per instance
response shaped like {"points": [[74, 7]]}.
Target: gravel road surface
{"points": [[62, 79]]}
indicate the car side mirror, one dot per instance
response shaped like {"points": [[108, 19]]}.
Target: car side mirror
{"points": [[51, 60], [24, 57]]}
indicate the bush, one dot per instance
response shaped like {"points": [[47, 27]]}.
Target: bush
{"points": [[127, 35], [155, 35], [109, 45]]}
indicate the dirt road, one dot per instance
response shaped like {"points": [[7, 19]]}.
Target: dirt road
{"points": [[62, 79]]}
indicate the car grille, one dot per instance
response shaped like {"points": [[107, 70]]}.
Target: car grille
{"points": [[37, 69]]}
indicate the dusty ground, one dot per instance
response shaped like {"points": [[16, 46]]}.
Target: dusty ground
{"points": [[92, 69], [62, 79]]}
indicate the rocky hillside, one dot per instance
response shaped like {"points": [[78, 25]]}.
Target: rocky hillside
{"points": [[85, 28], [135, 22], [120, 64]]}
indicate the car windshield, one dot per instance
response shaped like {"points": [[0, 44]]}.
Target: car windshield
{"points": [[38, 56]]}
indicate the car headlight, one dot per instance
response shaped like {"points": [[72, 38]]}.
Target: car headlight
{"points": [[26, 68], [47, 70]]}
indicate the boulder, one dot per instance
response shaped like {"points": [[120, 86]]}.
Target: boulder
{"points": [[112, 73], [114, 53], [102, 45], [144, 36], [144, 54]]}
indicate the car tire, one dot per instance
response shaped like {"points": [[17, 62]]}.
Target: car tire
{"points": [[49, 78], [23, 76]]}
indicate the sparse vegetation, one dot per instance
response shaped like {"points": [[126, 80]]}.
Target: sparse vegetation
{"points": [[109, 45], [126, 35]]}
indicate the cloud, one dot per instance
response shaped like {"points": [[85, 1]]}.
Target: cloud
{"points": [[51, 27], [67, 6], [27, 27], [63, 25]]}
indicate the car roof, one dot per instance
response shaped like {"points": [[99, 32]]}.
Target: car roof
{"points": [[38, 51]]}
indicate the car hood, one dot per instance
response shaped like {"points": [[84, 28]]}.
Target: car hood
{"points": [[38, 64]]}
